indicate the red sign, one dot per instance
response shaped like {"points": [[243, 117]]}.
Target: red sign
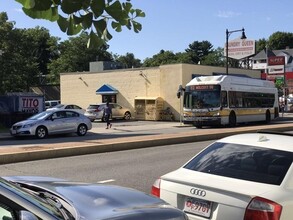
{"points": [[277, 60], [30, 102]]}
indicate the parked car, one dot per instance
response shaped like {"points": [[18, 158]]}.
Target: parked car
{"points": [[246, 176], [69, 106], [51, 103], [52, 122], [95, 111], [54, 199]]}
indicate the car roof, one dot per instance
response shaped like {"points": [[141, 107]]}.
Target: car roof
{"points": [[272, 140]]}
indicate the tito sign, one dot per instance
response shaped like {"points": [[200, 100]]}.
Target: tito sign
{"points": [[240, 48]]}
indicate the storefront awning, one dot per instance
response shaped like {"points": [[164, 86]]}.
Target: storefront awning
{"points": [[106, 89]]}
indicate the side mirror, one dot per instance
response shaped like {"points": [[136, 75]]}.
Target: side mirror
{"points": [[26, 215]]}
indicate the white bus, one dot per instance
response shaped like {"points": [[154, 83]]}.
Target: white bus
{"points": [[229, 100]]}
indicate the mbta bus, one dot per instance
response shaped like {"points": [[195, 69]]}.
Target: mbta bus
{"points": [[229, 100]]}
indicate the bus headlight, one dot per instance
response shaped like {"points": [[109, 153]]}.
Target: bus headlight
{"points": [[217, 114]]}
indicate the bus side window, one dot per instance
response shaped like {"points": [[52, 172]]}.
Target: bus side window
{"points": [[224, 101]]}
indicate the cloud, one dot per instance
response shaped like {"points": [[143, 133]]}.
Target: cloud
{"points": [[18, 9], [227, 14]]}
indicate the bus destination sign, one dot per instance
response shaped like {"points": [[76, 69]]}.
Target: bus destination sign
{"points": [[205, 87]]}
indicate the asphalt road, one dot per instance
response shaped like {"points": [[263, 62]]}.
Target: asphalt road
{"points": [[136, 168], [123, 136]]}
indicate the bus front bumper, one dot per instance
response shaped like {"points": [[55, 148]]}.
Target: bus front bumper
{"points": [[202, 121]]}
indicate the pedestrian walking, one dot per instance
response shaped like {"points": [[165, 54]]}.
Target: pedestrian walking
{"points": [[282, 108], [107, 115]]}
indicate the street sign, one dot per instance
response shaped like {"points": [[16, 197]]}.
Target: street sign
{"points": [[276, 64], [240, 48]]}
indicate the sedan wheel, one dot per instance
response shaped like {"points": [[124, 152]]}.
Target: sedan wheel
{"points": [[41, 132], [127, 116], [81, 130]]}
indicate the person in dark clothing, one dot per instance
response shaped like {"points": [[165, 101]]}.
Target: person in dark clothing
{"points": [[107, 114]]}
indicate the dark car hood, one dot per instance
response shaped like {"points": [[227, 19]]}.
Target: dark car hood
{"points": [[98, 201]]}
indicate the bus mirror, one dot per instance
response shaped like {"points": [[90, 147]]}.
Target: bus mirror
{"points": [[180, 90]]}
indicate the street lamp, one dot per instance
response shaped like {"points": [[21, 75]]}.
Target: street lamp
{"points": [[228, 33]]}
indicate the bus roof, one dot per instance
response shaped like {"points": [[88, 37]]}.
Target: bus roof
{"points": [[226, 80]]}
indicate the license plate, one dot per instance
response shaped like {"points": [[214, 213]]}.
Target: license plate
{"points": [[13, 131], [198, 207]]}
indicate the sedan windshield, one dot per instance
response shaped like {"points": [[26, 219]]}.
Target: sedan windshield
{"points": [[31, 197], [41, 115], [243, 162]]}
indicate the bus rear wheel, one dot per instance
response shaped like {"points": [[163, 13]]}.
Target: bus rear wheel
{"points": [[232, 119]]}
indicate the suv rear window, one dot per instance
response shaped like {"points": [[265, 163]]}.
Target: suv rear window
{"points": [[93, 107], [243, 162]]}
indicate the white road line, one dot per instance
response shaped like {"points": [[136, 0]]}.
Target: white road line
{"points": [[107, 181]]}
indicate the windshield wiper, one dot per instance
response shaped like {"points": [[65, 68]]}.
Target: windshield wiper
{"points": [[55, 202]]}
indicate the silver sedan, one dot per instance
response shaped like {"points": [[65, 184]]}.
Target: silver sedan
{"points": [[32, 197], [52, 122]]}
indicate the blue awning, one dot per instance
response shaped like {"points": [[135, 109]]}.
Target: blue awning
{"points": [[106, 89]]}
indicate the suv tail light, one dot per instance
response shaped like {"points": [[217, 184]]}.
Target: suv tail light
{"points": [[156, 188], [262, 209]]}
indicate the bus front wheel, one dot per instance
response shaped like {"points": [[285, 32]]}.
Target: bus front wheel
{"points": [[232, 119]]}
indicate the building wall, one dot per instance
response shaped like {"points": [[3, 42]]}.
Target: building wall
{"points": [[80, 87]]}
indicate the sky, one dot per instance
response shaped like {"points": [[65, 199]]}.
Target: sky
{"points": [[175, 24]]}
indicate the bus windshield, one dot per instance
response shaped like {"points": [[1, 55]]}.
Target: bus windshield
{"points": [[202, 96]]}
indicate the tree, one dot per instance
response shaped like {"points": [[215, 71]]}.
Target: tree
{"points": [[198, 50], [163, 57], [86, 15], [26, 53], [214, 58], [129, 61], [261, 44], [75, 56], [280, 40]]}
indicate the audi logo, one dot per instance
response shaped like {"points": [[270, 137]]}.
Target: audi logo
{"points": [[198, 192]]}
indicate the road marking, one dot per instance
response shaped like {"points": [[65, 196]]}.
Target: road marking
{"points": [[107, 181]]}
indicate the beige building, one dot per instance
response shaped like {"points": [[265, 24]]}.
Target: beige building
{"points": [[141, 89]]}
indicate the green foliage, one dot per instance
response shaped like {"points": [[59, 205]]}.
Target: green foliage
{"points": [[94, 16], [129, 61], [261, 44], [280, 40], [197, 53], [75, 56], [27, 53], [163, 57], [198, 50], [214, 58]]}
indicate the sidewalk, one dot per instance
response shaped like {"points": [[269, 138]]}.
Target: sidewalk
{"points": [[123, 137]]}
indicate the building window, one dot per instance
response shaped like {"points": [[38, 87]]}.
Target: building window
{"points": [[109, 98]]}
